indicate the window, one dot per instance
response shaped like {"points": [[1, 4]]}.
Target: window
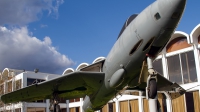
{"points": [[188, 67], [1, 93], [157, 64], [174, 70], [189, 101], [74, 100], [18, 110], [111, 107], [62, 100], [1, 89], [177, 44], [181, 68], [71, 100], [18, 84], [36, 109], [77, 109], [157, 16], [128, 21], [1, 81], [31, 81], [9, 86], [63, 110]]}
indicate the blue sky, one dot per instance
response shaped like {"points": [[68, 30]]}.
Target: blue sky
{"points": [[75, 31]]}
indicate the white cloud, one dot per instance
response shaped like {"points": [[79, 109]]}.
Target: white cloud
{"points": [[47, 40], [22, 12], [20, 50]]}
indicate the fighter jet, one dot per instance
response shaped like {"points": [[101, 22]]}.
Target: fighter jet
{"points": [[128, 65]]}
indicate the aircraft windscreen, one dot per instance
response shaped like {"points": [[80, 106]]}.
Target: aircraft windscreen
{"points": [[128, 21]]}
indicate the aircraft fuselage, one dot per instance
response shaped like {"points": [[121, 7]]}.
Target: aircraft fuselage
{"points": [[145, 35]]}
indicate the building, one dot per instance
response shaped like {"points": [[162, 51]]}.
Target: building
{"points": [[12, 80], [179, 62]]}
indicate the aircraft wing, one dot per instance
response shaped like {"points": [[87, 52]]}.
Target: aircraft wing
{"points": [[72, 85], [172, 88]]}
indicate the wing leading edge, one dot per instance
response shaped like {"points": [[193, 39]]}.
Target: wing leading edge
{"points": [[72, 85]]}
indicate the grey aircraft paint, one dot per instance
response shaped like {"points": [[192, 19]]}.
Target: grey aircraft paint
{"points": [[142, 35], [157, 21]]}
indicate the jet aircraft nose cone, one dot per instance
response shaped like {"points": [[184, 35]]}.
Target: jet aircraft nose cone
{"points": [[168, 7], [179, 4]]}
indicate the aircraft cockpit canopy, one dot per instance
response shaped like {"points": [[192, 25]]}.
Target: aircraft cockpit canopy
{"points": [[128, 21]]}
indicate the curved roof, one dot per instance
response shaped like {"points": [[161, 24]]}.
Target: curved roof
{"points": [[68, 70], [82, 65], [98, 59], [195, 34], [179, 40], [7, 72], [180, 34]]}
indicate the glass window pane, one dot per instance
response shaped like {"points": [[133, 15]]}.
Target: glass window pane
{"points": [[188, 67], [9, 86], [77, 109], [77, 99], [157, 64], [189, 101], [110, 107], [185, 68], [71, 100], [1, 89], [174, 70], [31, 81], [18, 84]]}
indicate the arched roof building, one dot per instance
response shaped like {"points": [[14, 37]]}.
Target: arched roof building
{"points": [[9, 73], [98, 59], [68, 70], [82, 65], [195, 35]]}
